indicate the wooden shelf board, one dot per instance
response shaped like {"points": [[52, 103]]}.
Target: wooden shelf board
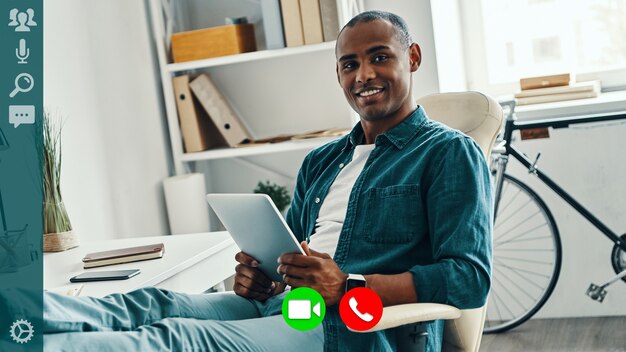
{"points": [[247, 57], [256, 150]]}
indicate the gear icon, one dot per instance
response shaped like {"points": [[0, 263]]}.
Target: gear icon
{"points": [[22, 331]]}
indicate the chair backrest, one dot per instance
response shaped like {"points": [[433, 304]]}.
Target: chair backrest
{"points": [[480, 117], [473, 113]]}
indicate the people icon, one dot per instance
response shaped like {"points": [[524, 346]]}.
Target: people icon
{"points": [[22, 21]]}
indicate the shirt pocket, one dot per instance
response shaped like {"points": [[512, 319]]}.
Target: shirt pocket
{"points": [[394, 214]]}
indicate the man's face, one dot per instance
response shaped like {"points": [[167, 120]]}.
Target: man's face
{"points": [[374, 70]]}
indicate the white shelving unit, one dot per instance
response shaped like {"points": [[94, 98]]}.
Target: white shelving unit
{"points": [[246, 57], [162, 14]]}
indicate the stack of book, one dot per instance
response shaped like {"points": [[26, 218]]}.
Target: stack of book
{"points": [[545, 89], [304, 21]]}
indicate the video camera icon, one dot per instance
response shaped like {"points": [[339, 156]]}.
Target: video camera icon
{"points": [[301, 309], [304, 309]]}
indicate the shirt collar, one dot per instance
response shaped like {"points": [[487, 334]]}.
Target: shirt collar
{"points": [[399, 136]]}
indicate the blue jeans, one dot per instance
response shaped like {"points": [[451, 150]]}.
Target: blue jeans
{"points": [[151, 319]]}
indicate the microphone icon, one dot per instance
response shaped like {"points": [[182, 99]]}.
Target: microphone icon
{"points": [[22, 52]]}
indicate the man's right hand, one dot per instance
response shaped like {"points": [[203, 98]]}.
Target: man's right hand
{"points": [[251, 282]]}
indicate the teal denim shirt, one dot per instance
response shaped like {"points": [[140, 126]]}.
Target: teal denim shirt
{"points": [[422, 204]]}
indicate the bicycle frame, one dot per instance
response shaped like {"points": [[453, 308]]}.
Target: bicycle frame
{"points": [[511, 124]]}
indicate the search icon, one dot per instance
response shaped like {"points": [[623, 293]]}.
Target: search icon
{"points": [[23, 84]]}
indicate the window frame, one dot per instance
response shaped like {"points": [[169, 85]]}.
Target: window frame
{"points": [[472, 40]]}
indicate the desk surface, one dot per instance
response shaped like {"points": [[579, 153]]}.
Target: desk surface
{"points": [[181, 253]]}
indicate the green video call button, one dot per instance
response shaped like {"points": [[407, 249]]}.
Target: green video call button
{"points": [[304, 309]]}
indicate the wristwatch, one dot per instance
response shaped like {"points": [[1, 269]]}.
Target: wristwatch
{"points": [[355, 280]]}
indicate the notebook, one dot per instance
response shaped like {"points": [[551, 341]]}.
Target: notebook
{"points": [[123, 255]]}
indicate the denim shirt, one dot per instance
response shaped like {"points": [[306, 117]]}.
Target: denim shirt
{"points": [[422, 204]]}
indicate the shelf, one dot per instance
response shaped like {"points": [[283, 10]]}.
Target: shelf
{"points": [[247, 57], [305, 144]]}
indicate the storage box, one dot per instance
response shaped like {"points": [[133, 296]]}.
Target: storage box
{"points": [[213, 42]]}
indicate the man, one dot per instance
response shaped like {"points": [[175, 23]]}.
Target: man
{"points": [[401, 200]]}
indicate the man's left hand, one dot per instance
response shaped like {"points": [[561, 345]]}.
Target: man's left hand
{"points": [[315, 270]]}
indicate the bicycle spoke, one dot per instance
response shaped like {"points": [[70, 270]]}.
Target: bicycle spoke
{"points": [[526, 250], [515, 270], [518, 286], [510, 294], [523, 221], [525, 260], [504, 305], [514, 213], [495, 304], [523, 233], [524, 239], [502, 209]]}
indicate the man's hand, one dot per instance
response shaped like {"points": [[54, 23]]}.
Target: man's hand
{"points": [[315, 270], [250, 282]]}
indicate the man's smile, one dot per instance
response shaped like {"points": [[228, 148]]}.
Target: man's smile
{"points": [[366, 95]]}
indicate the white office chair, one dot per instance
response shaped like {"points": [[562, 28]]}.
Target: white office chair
{"points": [[480, 117]]}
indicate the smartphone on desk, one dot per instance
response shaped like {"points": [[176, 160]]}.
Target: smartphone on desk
{"points": [[105, 275]]}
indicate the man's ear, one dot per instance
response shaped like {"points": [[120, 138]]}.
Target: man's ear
{"points": [[415, 55], [337, 72]]}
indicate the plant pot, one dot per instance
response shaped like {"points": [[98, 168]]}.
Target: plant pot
{"points": [[58, 242]]}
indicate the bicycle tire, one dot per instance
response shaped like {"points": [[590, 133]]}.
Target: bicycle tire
{"points": [[618, 258], [504, 261]]}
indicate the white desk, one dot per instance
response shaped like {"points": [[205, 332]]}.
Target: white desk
{"points": [[191, 263]]}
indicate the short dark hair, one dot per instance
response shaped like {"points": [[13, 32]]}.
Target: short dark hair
{"points": [[400, 26]]}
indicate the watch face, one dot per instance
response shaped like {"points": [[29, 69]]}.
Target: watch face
{"points": [[352, 283]]}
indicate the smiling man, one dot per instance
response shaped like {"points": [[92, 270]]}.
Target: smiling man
{"points": [[402, 203]]}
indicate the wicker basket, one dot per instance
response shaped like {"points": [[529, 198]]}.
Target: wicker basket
{"points": [[58, 242]]}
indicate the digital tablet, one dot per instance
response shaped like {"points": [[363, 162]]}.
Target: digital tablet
{"points": [[257, 228]]}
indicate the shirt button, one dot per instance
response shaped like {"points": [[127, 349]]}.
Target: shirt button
{"points": [[317, 200], [341, 166]]}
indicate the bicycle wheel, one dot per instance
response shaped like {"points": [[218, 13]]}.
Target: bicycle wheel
{"points": [[618, 258], [526, 257]]}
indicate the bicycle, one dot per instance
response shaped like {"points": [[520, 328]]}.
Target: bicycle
{"points": [[527, 245]]}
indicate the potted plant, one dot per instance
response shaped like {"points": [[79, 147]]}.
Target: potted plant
{"points": [[279, 194], [57, 228]]}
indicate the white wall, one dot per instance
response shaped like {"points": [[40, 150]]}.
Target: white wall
{"points": [[585, 160], [99, 74]]}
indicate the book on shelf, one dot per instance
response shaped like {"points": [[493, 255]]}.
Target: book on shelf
{"points": [[311, 21], [198, 131], [292, 22], [330, 19], [574, 88], [556, 97], [272, 24], [544, 81], [327, 133], [220, 112], [123, 255]]}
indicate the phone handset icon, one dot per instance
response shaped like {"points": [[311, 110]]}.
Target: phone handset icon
{"points": [[366, 317]]}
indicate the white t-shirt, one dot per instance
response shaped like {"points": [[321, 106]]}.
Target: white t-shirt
{"points": [[333, 211]]}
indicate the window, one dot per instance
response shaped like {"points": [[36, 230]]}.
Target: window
{"points": [[505, 40]]}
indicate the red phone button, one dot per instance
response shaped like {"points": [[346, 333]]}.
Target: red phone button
{"points": [[360, 309]]}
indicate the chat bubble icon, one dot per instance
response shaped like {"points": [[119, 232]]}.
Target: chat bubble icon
{"points": [[21, 115]]}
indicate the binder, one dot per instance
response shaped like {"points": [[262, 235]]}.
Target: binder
{"points": [[272, 24], [330, 19], [197, 130], [219, 111], [311, 21], [292, 22]]}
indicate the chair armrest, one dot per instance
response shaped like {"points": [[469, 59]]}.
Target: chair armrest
{"points": [[403, 314]]}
